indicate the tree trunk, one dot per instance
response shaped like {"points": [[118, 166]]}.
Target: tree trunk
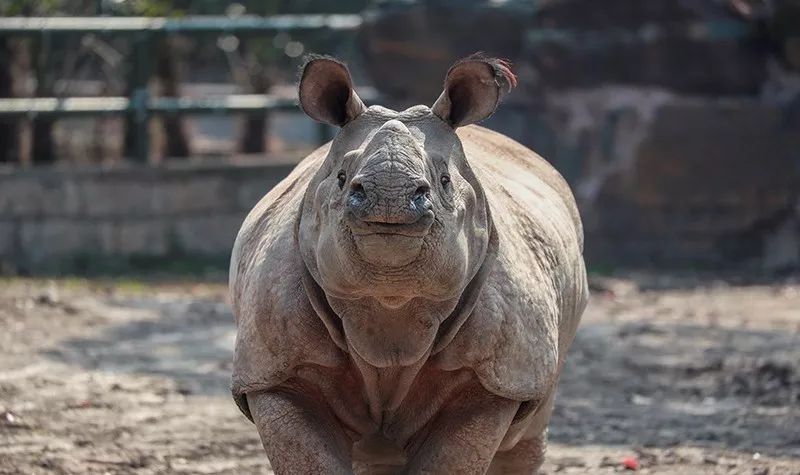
{"points": [[42, 148], [9, 133], [253, 139], [168, 73], [129, 142]]}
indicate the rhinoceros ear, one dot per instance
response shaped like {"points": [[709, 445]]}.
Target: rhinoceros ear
{"points": [[472, 89], [326, 92]]}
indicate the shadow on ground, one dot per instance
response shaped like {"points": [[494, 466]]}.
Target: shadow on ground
{"points": [[663, 385], [190, 341], [649, 384]]}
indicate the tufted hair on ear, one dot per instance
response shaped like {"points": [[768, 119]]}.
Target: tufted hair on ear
{"points": [[473, 88]]}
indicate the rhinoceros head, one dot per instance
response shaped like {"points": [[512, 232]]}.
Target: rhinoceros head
{"points": [[395, 211]]}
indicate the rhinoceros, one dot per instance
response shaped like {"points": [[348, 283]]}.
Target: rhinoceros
{"points": [[406, 297]]}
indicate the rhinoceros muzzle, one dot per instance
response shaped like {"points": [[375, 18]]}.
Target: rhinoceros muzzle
{"points": [[407, 212]]}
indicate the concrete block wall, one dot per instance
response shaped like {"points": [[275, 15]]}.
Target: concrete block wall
{"points": [[49, 217]]}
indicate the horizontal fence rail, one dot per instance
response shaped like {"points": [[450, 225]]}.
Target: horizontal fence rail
{"points": [[192, 25], [140, 106], [76, 106]]}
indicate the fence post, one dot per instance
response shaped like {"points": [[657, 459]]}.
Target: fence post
{"points": [[140, 96]]}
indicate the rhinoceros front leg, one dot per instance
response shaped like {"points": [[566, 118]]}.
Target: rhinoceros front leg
{"points": [[299, 435], [464, 437]]}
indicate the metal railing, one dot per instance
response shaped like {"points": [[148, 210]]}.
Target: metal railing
{"points": [[143, 31]]}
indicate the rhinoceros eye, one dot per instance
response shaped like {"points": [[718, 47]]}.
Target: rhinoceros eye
{"points": [[342, 177], [445, 180]]}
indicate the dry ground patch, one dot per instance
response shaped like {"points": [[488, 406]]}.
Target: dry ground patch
{"points": [[689, 377]]}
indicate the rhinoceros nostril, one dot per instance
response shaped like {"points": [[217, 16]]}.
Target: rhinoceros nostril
{"points": [[357, 198], [421, 190], [357, 188], [420, 201]]}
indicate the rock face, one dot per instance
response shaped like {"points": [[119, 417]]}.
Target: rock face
{"points": [[692, 47], [663, 178], [683, 181], [677, 122]]}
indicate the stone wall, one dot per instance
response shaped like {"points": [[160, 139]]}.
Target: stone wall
{"points": [[54, 220]]}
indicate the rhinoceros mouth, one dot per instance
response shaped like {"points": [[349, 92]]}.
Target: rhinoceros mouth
{"points": [[394, 247], [419, 229]]}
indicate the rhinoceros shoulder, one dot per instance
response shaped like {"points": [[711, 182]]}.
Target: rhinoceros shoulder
{"points": [[531, 302], [277, 329], [507, 168]]}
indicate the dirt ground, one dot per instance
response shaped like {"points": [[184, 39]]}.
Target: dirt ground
{"points": [[684, 376]]}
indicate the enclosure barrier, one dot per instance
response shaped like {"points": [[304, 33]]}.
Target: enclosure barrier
{"points": [[143, 31]]}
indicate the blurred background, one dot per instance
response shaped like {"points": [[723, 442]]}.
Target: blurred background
{"points": [[135, 135], [677, 123]]}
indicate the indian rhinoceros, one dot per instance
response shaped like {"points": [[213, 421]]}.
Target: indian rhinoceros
{"points": [[405, 298]]}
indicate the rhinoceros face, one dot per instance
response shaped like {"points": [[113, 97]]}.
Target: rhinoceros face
{"points": [[395, 211], [386, 204]]}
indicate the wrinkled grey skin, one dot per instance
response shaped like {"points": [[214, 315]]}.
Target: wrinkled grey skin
{"points": [[405, 299]]}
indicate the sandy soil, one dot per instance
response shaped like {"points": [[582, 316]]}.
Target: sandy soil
{"points": [[685, 377]]}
